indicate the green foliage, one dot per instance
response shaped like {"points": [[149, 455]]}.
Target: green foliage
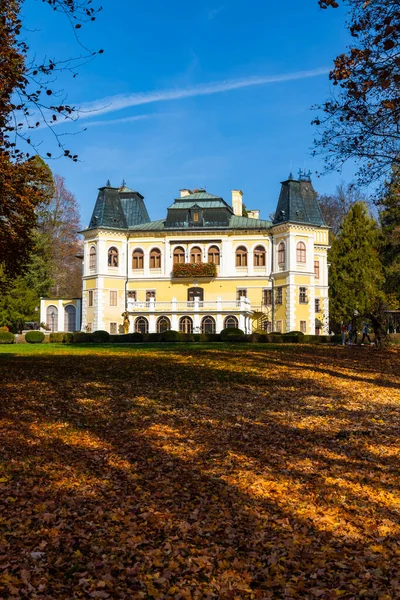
{"points": [[81, 337], [229, 332], [34, 337], [171, 336], [126, 338], [389, 214], [356, 274], [298, 333], [100, 337], [6, 337], [210, 337], [61, 337]]}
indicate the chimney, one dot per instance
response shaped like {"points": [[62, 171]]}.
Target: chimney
{"points": [[237, 202], [253, 214], [184, 192]]}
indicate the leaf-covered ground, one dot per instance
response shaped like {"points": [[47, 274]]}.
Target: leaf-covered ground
{"points": [[211, 473]]}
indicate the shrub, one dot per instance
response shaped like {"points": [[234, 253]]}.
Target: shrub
{"points": [[171, 336], [210, 337], [4, 328], [299, 333], [56, 337], [6, 337], [275, 338], [68, 338], [126, 338], [230, 331], [100, 337], [81, 337], [238, 338], [291, 339], [259, 338], [155, 337], [189, 337], [34, 337]]}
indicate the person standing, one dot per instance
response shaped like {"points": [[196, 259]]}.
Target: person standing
{"points": [[365, 333], [343, 330], [350, 330]]}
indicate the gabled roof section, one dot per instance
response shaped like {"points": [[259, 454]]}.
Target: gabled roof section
{"points": [[119, 208], [298, 203], [150, 226]]}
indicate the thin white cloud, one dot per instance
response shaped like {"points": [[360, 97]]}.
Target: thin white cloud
{"points": [[214, 12], [123, 101], [118, 121]]}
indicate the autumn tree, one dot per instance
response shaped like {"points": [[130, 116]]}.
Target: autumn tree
{"points": [[26, 103], [356, 272], [334, 207], [59, 223], [361, 121]]}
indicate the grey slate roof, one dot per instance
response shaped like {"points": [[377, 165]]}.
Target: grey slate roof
{"points": [[199, 195], [217, 203], [246, 223], [298, 204], [118, 208]]}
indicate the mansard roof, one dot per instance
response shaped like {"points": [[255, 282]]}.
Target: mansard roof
{"points": [[298, 203], [118, 208]]}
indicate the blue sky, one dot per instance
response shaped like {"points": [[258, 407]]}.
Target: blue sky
{"points": [[207, 94]]}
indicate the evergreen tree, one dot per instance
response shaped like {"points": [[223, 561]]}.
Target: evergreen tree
{"points": [[389, 213], [356, 272]]}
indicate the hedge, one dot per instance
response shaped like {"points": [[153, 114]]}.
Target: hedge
{"points": [[34, 337], [6, 337], [228, 332], [126, 338], [81, 337], [171, 336], [100, 337], [61, 337]]}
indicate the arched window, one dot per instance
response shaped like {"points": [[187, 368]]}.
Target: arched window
{"points": [[259, 256], [241, 257], [163, 324], [92, 258], [70, 318], [281, 253], [231, 322], [186, 325], [137, 259], [179, 256], [195, 255], [213, 255], [52, 318], [113, 257], [141, 325], [208, 325], [155, 259], [301, 252]]}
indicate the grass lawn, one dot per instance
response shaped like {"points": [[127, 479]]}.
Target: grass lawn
{"points": [[199, 472]]}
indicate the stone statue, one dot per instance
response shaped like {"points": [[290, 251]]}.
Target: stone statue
{"points": [[126, 321]]}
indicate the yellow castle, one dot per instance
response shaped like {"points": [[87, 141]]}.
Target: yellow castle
{"points": [[206, 266]]}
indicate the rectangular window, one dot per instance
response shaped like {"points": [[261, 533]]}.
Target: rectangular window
{"points": [[317, 305], [113, 298], [303, 326], [279, 295], [266, 326], [267, 297], [113, 328], [316, 269], [195, 217], [279, 326], [303, 295], [240, 293], [150, 294], [90, 298], [132, 295]]}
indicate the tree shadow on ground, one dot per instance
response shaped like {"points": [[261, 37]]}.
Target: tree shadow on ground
{"points": [[186, 476]]}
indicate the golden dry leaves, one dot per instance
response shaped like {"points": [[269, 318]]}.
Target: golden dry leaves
{"points": [[208, 473]]}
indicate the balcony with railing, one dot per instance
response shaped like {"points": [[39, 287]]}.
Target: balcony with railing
{"points": [[196, 306]]}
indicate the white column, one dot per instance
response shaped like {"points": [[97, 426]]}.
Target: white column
{"points": [[250, 262], [152, 324], [219, 321], [99, 305], [60, 319], [311, 310], [242, 322], [196, 323], [174, 316]]}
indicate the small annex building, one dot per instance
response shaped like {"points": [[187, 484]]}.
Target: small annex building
{"points": [[202, 267]]}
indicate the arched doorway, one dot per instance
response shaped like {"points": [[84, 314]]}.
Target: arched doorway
{"points": [[52, 318], [70, 318]]}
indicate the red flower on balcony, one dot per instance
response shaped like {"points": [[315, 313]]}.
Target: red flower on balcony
{"points": [[194, 270]]}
